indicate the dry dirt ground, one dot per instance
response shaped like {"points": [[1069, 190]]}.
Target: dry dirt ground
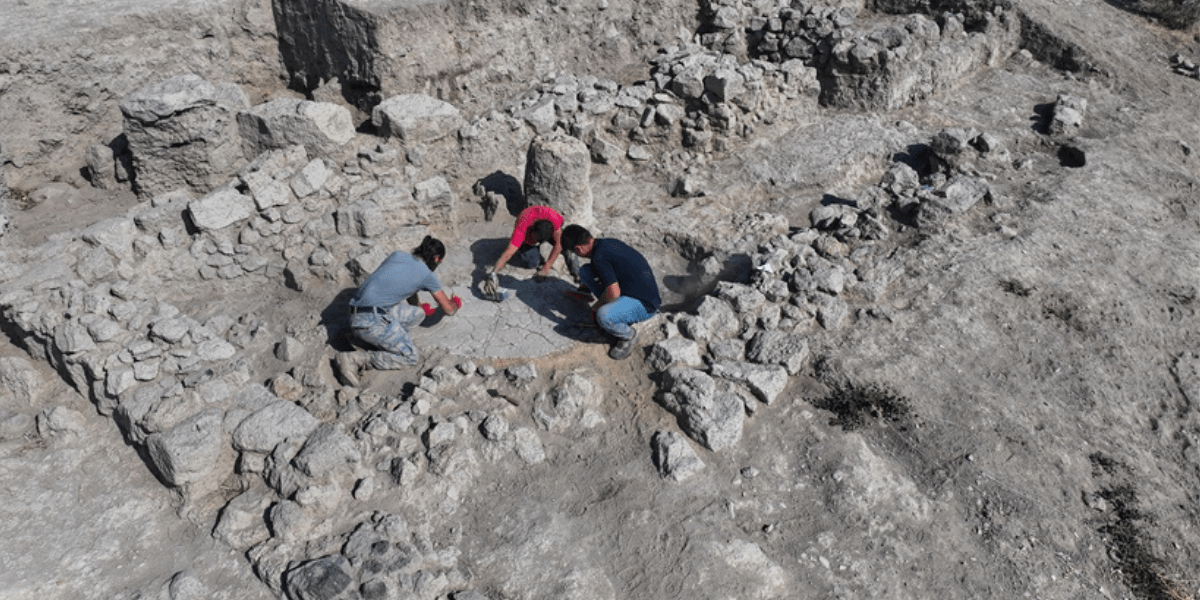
{"points": [[1017, 417]]}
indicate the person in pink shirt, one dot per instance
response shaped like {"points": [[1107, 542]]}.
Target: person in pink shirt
{"points": [[535, 226]]}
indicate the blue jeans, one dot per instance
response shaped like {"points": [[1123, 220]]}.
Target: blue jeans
{"points": [[387, 330], [615, 317]]}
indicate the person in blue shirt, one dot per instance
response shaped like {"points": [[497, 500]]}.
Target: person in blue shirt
{"points": [[621, 280], [385, 308]]}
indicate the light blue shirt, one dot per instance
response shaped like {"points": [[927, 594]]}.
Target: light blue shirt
{"points": [[400, 276]]}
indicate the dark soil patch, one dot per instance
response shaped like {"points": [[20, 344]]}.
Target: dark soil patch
{"points": [[856, 405]]}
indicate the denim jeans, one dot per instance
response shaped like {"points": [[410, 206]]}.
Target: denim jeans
{"points": [[615, 317], [529, 257], [387, 330]]}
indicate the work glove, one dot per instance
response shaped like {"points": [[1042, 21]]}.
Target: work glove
{"points": [[491, 285], [427, 308], [457, 301]]}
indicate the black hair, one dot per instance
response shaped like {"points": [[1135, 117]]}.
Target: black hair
{"points": [[575, 235], [543, 230], [431, 251]]}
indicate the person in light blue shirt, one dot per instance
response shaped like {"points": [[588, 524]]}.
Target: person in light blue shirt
{"points": [[385, 307]]}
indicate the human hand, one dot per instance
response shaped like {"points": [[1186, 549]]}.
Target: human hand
{"points": [[427, 308], [457, 301]]}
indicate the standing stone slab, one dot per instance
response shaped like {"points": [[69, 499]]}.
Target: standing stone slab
{"points": [[183, 133], [558, 171]]}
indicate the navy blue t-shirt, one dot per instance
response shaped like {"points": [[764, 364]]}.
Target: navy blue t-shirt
{"points": [[614, 261]]}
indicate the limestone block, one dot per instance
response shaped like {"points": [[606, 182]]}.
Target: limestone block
{"points": [[778, 348], [435, 201], [714, 419], [741, 297], [183, 133], [963, 192], [266, 190], [220, 209], [326, 451], [310, 179], [542, 116], [416, 119], [272, 424], [19, 380], [363, 219], [675, 351], [557, 174], [188, 452], [765, 382], [674, 456], [1068, 115], [321, 127], [726, 84], [529, 446]]}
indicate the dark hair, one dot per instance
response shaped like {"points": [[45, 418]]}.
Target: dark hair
{"points": [[543, 230], [575, 235], [431, 251]]}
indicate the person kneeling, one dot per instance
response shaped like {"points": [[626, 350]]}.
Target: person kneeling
{"points": [[621, 280], [385, 308]]}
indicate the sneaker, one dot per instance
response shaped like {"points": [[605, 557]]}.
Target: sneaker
{"points": [[581, 293], [623, 348]]}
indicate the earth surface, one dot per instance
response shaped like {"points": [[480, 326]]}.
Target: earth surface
{"points": [[1015, 417]]}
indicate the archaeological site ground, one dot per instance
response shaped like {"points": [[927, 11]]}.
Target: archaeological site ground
{"points": [[930, 272]]}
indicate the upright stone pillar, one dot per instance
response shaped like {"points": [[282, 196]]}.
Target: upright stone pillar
{"points": [[558, 170], [183, 132]]}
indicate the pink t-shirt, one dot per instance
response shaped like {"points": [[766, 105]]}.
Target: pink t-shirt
{"points": [[527, 218]]}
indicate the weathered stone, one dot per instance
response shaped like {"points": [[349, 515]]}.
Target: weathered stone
{"points": [[321, 579], [557, 174], [674, 456], [778, 348], [183, 133], [269, 426], [240, 523], [494, 428], [529, 446], [1068, 115], [220, 209], [188, 452], [963, 192], [765, 382], [363, 219], [322, 128], [310, 179], [713, 419], [266, 190], [741, 297], [415, 119], [674, 351]]}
